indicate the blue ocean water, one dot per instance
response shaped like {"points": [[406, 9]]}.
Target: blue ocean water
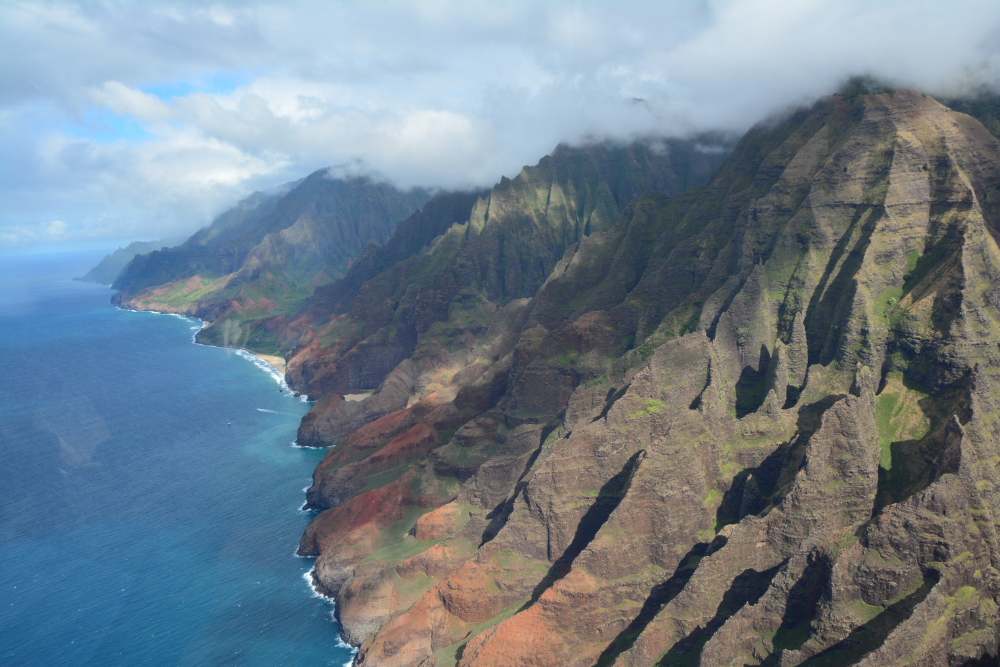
{"points": [[137, 527]]}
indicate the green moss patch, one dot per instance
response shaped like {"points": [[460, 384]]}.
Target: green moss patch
{"points": [[898, 415]]}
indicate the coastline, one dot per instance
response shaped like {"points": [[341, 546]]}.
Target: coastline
{"points": [[275, 362], [179, 399]]}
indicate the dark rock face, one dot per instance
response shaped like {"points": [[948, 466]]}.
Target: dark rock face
{"points": [[449, 269], [107, 269], [265, 255], [753, 422]]}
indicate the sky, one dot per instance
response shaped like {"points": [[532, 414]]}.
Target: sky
{"points": [[137, 120]]}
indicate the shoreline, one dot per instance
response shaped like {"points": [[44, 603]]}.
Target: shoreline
{"points": [[274, 361], [162, 354]]}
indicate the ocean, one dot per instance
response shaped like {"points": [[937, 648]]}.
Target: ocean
{"points": [[150, 493]]}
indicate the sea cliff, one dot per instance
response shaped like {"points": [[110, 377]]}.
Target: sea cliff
{"points": [[750, 423], [636, 407]]}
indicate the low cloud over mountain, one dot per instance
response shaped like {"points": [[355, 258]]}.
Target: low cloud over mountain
{"points": [[145, 119]]}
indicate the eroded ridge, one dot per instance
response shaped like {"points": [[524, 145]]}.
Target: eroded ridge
{"points": [[755, 422]]}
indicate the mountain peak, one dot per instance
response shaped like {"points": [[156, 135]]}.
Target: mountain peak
{"points": [[724, 427], [643, 406]]}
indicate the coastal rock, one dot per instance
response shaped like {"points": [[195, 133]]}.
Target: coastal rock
{"points": [[749, 423], [736, 458]]}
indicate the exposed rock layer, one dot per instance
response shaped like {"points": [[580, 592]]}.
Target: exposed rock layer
{"points": [[266, 254], [752, 423], [617, 420]]}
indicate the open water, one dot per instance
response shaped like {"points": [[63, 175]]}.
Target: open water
{"points": [[137, 525]]}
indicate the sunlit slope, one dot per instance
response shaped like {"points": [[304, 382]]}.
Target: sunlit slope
{"points": [[501, 248], [754, 423], [267, 255]]}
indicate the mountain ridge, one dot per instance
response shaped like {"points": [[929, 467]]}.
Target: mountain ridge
{"points": [[108, 269], [705, 412], [613, 414], [267, 253]]}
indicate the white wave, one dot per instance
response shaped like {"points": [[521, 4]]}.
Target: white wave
{"points": [[353, 649], [298, 446], [308, 576], [198, 326], [304, 509], [276, 412], [264, 366]]}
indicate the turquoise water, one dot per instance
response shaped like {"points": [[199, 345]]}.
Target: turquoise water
{"points": [[137, 526]]}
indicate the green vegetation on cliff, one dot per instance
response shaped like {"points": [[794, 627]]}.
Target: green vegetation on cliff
{"points": [[107, 269], [265, 256], [628, 408], [753, 421]]}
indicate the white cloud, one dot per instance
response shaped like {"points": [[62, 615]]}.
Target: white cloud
{"points": [[145, 119], [130, 102]]}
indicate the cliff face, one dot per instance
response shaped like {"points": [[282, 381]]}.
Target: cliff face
{"points": [[266, 255], [429, 296], [107, 269], [755, 422]]}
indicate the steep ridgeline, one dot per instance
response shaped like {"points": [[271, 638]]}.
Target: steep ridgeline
{"points": [[107, 269], [266, 255], [754, 423], [197, 255], [427, 295]]}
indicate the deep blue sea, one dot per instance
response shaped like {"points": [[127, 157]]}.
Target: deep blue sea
{"points": [[138, 527]]}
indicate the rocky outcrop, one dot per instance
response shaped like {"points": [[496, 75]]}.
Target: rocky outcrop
{"points": [[351, 334], [754, 423], [266, 254]]}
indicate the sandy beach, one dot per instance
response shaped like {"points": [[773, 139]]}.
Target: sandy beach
{"points": [[275, 362]]}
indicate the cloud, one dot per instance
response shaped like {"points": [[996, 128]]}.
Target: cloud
{"points": [[146, 119]]}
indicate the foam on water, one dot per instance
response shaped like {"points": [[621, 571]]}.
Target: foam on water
{"points": [[275, 412], [140, 575], [198, 326], [311, 580], [264, 366]]}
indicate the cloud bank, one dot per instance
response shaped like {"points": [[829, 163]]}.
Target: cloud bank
{"points": [[142, 120]]}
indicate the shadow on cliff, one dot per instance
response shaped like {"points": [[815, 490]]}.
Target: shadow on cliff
{"points": [[659, 596], [754, 490], [608, 498], [872, 634], [499, 515], [751, 387], [914, 464], [746, 589], [800, 608], [825, 313]]}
